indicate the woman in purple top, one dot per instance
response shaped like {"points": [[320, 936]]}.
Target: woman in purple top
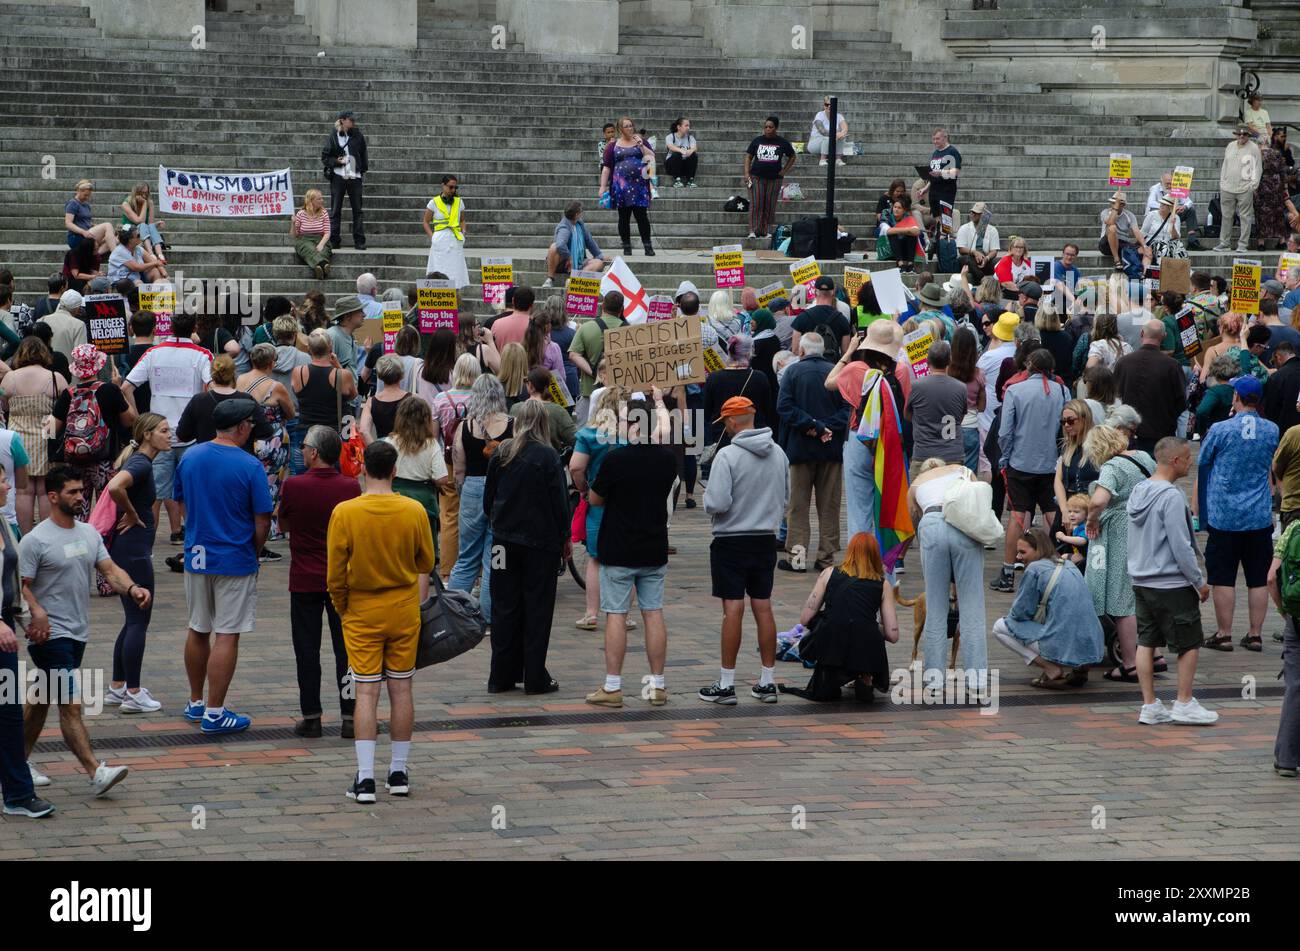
{"points": [[80, 221], [623, 172]]}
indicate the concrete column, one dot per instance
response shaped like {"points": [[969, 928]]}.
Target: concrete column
{"points": [[564, 26], [148, 19], [387, 23], [758, 29], [915, 25]]}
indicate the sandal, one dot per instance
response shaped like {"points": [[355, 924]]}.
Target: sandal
{"points": [[1159, 666], [1127, 675], [586, 623], [1219, 642], [1253, 643], [1060, 682]]}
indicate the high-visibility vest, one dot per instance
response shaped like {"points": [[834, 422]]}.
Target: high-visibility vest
{"points": [[450, 216]]}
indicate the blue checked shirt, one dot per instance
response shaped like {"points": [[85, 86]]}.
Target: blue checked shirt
{"points": [[1239, 452]]}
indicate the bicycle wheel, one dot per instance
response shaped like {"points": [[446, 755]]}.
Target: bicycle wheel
{"points": [[577, 563]]}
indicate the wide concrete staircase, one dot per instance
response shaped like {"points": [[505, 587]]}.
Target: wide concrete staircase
{"points": [[520, 131]]}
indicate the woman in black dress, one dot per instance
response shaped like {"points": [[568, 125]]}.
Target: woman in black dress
{"points": [[849, 615]]}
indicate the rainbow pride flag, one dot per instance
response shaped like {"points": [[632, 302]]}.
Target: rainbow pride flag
{"points": [[880, 422]]}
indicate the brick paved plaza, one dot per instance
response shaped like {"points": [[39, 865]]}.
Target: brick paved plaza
{"points": [[685, 781]]}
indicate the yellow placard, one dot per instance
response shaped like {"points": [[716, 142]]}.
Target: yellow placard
{"points": [[1180, 183], [805, 270], [711, 360], [558, 394], [918, 350], [854, 278], [393, 317], [498, 273], [1121, 168], [770, 293], [728, 259], [1245, 287], [1286, 265], [586, 286]]}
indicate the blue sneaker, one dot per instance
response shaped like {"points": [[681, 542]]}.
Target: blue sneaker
{"points": [[194, 711], [225, 722]]}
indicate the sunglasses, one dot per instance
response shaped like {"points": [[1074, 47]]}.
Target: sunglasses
{"points": [[1069, 420]]}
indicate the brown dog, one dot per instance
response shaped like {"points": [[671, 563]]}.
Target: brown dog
{"points": [[917, 605]]}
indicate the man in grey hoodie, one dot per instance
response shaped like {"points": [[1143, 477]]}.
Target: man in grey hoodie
{"points": [[746, 496], [1168, 583]]}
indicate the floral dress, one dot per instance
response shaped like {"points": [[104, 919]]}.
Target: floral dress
{"points": [[272, 452], [629, 187], [1270, 199], [1107, 574]]}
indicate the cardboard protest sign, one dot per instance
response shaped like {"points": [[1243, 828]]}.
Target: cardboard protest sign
{"points": [[107, 316], [1176, 275], [225, 195], [918, 350], [1180, 185], [391, 320], [1245, 286], [662, 353], [854, 278], [805, 271], [660, 307], [159, 300], [497, 274], [770, 293], [728, 265], [582, 295], [1121, 169], [438, 305]]}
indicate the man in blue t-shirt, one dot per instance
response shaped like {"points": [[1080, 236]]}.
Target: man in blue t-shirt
{"points": [[227, 519]]}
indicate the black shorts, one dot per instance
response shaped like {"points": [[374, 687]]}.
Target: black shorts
{"points": [[1252, 550], [1025, 490], [743, 565]]}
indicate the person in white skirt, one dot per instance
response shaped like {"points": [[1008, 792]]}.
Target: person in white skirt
{"points": [[444, 223]]}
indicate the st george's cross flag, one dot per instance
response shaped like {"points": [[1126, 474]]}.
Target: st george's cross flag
{"points": [[619, 277]]}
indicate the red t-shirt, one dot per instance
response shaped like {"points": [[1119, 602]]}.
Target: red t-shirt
{"points": [[306, 503], [510, 329], [1008, 272]]}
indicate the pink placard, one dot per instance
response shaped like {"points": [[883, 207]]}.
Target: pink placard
{"points": [[729, 276], [661, 308]]}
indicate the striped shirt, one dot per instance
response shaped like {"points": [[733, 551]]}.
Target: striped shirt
{"points": [[311, 224]]}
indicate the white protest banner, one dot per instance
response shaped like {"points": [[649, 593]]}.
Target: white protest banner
{"points": [[224, 194]]}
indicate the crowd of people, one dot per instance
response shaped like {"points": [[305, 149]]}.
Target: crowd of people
{"points": [[1051, 417]]}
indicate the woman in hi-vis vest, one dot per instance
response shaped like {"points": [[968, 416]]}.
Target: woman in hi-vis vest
{"points": [[444, 223]]}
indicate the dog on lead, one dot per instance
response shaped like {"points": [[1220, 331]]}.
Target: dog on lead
{"points": [[917, 605]]}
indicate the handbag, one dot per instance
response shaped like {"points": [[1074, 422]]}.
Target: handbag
{"points": [[103, 517], [968, 507], [352, 458], [451, 623], [578, 527]]}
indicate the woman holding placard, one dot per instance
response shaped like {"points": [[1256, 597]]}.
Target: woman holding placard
{"points": [[444, 223], [310, 231]]}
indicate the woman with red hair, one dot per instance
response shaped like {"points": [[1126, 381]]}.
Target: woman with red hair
{"points": [[850, 615]]}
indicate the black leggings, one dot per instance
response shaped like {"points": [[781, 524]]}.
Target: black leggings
{"points": [[625, 227], [131, 552], [683, 168]]}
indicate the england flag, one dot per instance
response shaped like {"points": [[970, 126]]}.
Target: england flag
{"points": [[620, 278]]}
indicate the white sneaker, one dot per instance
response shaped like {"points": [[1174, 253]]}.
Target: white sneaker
{"points": [[1192, 713], [141, 702], [114, 696], [751, 235], [839, 161], [106, 777], [38, 778], [548, 283], [1153, 713], [822, 162]]}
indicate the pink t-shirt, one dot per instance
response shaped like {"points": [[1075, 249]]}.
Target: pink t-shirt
{"points": [[510, 329]]}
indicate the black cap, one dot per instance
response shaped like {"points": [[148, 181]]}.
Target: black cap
{"points": [[1031, 289], [824, 283], [234, 409], [346, 114]]}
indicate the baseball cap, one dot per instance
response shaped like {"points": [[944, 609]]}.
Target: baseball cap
{"points": [[825, 283], [346, 114], [736, 406], [1247, 387], [1031, 289], [70, 301], [233, 410], [1273, 287]]}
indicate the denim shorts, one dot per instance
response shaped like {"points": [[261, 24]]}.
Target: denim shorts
{"points": [[164, 471], [616, 586]]}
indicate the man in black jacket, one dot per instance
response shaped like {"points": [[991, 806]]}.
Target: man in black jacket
{"points": [[814, 422], [345, 161], [1282, 389], [1153, 383]]}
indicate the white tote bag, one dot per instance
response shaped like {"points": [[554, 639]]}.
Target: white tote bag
{"points": [[968, 507]]}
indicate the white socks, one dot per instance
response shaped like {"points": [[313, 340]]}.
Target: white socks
{"points": [[366, 759], [401, 750], [726, 678], [613, 683], [657, 681], [767, 677]]}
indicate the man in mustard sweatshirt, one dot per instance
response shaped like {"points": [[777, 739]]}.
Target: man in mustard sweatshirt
{"points": [[380, 556]]}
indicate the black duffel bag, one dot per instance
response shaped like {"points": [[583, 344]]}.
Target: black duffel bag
{"points": [[451, 623]]}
